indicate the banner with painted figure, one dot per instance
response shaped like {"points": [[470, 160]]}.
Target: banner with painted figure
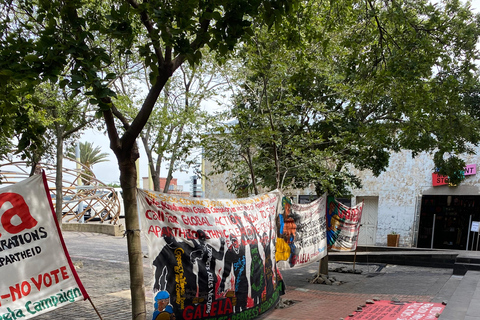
{"points": [[301, 233], [36, 273], [343, 225], [213, 259]]}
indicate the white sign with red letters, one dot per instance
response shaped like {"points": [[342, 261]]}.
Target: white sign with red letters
{"points": [[36, 273]]}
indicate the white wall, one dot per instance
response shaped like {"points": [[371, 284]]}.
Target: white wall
{"points": [[400, 187]]}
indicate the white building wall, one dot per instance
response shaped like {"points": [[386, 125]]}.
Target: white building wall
{"points": [[399, 189], [216, 186]]}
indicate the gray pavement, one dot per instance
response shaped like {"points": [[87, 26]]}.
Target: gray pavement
{"points": [[102, 265]]}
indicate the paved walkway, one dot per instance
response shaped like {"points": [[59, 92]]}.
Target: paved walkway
{"points": [[102, 265]]}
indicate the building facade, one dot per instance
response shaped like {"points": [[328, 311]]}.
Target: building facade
{"points": [[411, 200], [173, 187], [408, 199]]}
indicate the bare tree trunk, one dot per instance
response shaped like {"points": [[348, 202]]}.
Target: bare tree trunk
{"points": [[252, 172], [128, 181], [172, 160], [151, 165]]}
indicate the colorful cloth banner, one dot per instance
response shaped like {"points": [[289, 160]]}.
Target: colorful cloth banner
{"points": [[213, 259], [389, 310], [301, 233], [343, 225], [36, 273]]}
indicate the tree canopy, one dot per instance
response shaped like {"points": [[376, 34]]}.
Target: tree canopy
{"points": [[344, 84], [74, 44]]}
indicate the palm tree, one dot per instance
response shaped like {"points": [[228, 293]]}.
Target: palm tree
{"points": [[88, 157]]}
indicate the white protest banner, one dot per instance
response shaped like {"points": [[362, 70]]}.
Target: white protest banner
{"points": [[213, 259], [301, 233], [343, 225], [36, 273]]}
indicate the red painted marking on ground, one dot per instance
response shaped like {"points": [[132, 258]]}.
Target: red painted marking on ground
{"points": [[389, 310]]}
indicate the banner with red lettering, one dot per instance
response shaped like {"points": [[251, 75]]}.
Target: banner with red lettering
{"points": [[36, 273], [213, 259], [343, 225], [389, 310], [301, 233]]}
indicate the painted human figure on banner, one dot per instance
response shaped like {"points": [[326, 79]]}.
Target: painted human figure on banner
{"points": [[287, 227], [163, 308], [257, 267], [205, 256], [235, 259], [268, 264], [169, 264]]}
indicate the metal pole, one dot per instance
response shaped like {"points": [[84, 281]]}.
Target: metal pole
{"points": [[473, 241], [433, 229], [79, 182], [468, 234], [354, 259], [478, 235]]}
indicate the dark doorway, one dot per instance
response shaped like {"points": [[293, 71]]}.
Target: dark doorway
{"points": [[451, 215]]}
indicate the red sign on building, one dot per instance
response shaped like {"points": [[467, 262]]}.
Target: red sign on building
{"points": [[439, 180]]}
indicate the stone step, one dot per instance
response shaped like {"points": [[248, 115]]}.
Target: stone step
{"points": [[463, 304], [468, 258], [448, 289], [423, 258], [460, 268], [465, 262]]}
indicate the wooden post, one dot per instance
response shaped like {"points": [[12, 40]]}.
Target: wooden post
{"points": [[354, 259], [98, 314], [323, 266]]}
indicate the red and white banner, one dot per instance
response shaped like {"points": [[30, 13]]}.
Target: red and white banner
{"points": [[36, 273], [213, 258], [343, 225], [389, 310], [301, 233]]}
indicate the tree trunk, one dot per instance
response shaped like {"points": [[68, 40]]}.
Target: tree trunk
{"points": [[172, 159], [128, 181], [151, 166], [252, 172], [323, 266]]}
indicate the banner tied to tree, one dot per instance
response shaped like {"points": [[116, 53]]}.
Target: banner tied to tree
{"points": [[37, 274], [343, 225], [301, 233], [213, 259]]}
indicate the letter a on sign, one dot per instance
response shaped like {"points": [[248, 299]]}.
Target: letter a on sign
{"points": [[20, 209]]}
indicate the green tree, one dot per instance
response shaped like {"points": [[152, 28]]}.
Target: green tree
{"points": [[164, 34], [173, 129], [89, 156], [343, 86], [69, 116]]}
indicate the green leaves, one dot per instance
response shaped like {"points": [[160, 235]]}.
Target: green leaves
{"points": [[343, 84]]}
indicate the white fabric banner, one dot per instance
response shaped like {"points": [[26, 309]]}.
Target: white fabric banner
{"points": [[343, 225], [301, 233], [213, 259], [36, 273]]}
